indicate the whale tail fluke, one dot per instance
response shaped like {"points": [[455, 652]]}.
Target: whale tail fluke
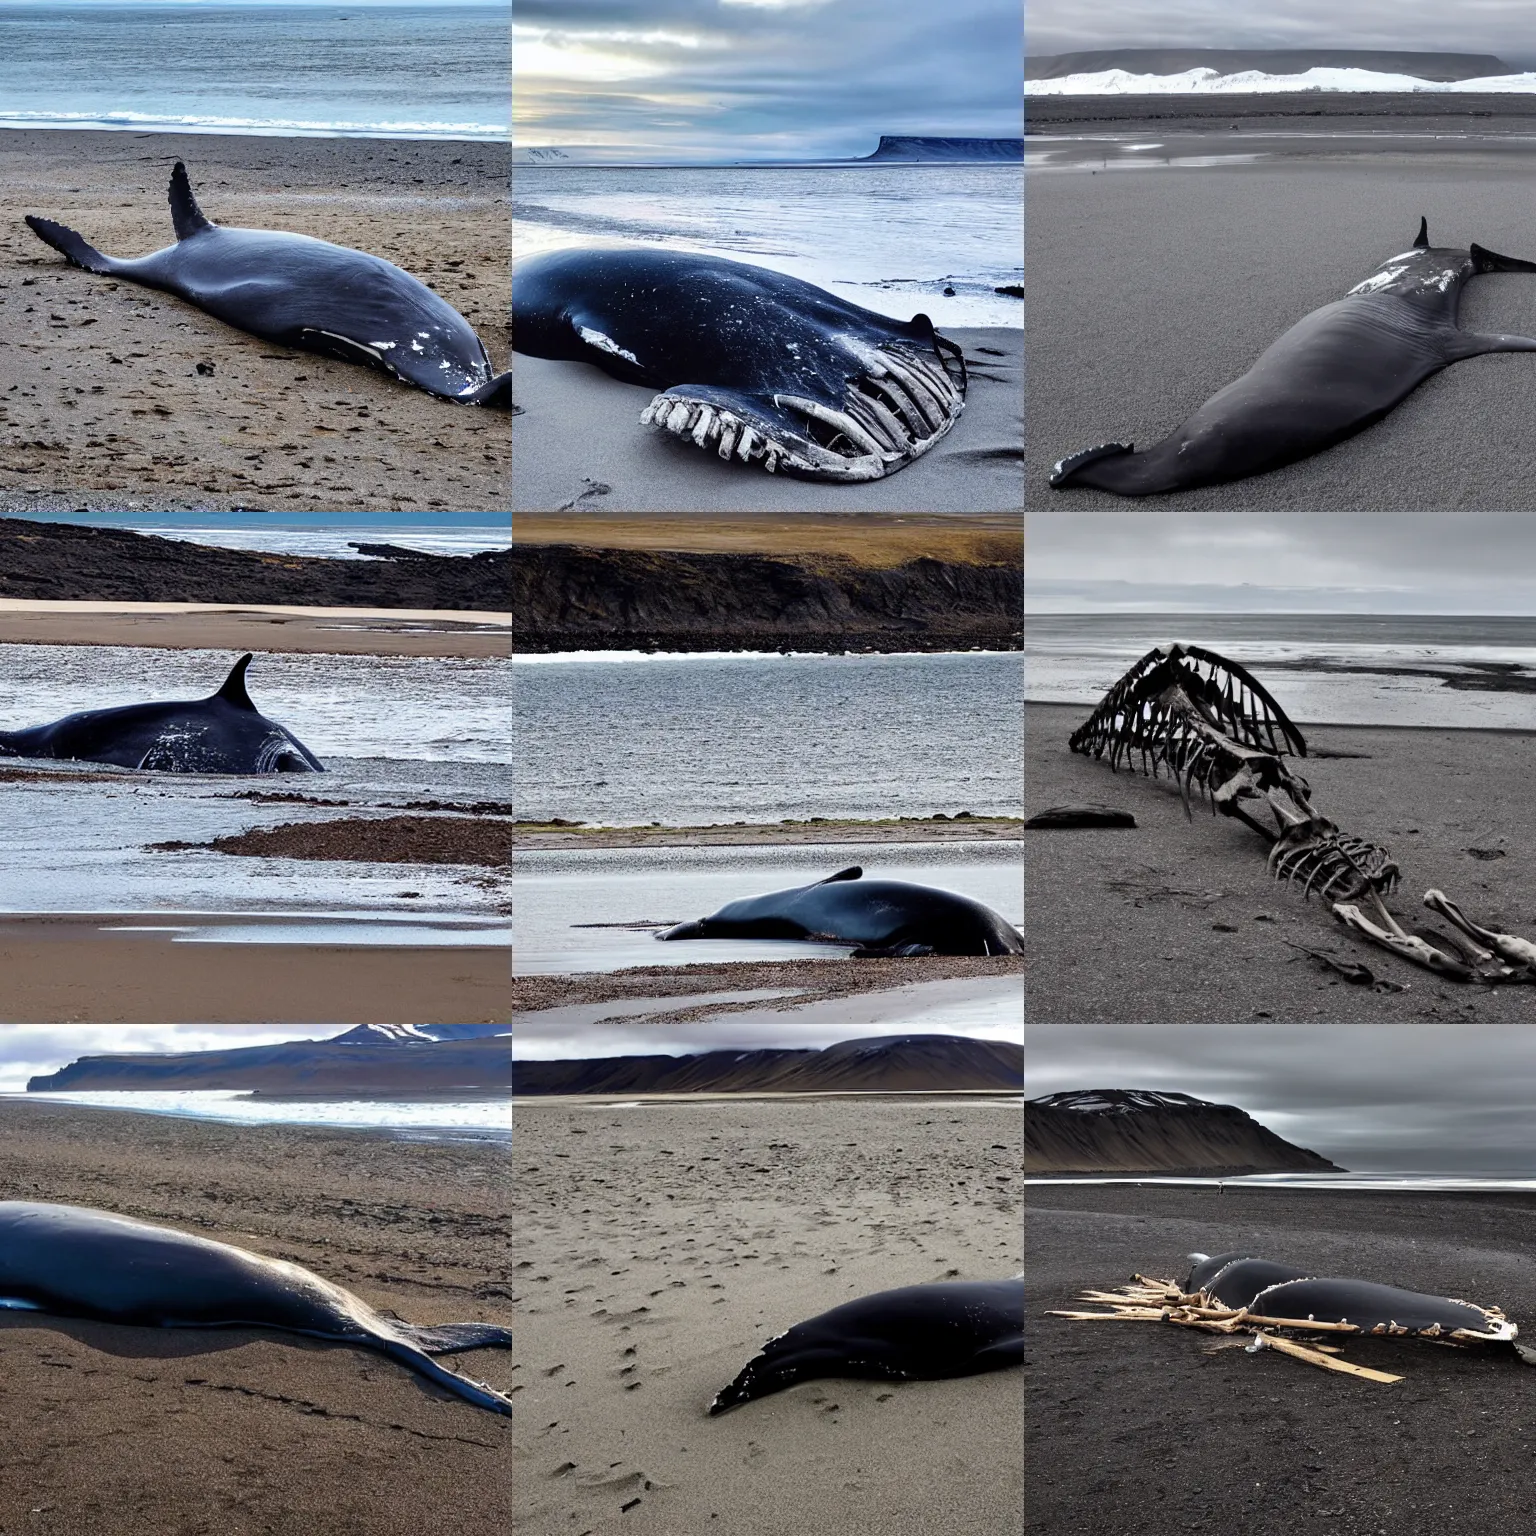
{"points": [[74, 247], [233, 689], [186, 216], [413, 1359], [453, 1338], [1491, 261]]}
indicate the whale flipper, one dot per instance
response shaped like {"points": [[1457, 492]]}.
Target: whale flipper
{"points": [[73, 247], [186, 217]]}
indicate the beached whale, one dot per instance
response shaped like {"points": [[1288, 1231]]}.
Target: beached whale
{"points": [[1334, 373], [224, 733], [917, 1333], [308, 294], [70, 1261], [880, 917], [751, 364]]}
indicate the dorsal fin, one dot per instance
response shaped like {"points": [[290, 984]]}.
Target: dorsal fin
{"points": [[853, 872], [233, 691], [1422, 242], [185, 214]]}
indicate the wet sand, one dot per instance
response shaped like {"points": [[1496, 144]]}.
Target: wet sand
{"points": [[197, 626], [811, 980], [1178, 921], [660, 1248], [109, 408], [579, 447], [1134, 1430], [452, 839], [63, 968], [1152, 289], [123, 1431], [907, 829]]}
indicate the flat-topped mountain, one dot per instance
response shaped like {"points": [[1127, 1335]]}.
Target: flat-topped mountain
{"points": [[1268, 61], [895, 146], [1120, 1130], [404, 1059], [891, 1064]]}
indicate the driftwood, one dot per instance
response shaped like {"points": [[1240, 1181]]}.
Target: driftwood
{"points": [[1218, 733]]}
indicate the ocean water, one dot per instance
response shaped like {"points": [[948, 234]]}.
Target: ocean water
{"points": [[395, 71], [478, 1119], [1324, 669], [402, 708], [890, 238], [627, 739], [321, 534]]}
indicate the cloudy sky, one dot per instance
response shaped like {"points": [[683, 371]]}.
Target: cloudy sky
{"points": [[1459, 562], [762, 79], [1426, 1098], [29, 1049], [1501, 27]]}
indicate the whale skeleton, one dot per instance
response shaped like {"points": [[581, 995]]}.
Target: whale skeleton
{"points": [[1219, 734]]}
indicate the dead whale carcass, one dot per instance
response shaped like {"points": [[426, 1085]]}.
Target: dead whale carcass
{"points": [[1235, 1293], [1218, 732]]}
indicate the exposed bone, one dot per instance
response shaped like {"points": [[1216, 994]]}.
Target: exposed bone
{"points": [[677, 417], [728, 437], [840, 420], [703, 428], [1317, 1357], [1508, 947], [1219, 734], [746, 444]]}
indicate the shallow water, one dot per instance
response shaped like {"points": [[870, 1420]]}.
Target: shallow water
{"points": [[681, 740], [559, 893], [1325, 669], [889, 238], [322, 535]]}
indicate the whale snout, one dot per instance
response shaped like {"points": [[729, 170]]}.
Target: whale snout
{"points": [[698, 929]]}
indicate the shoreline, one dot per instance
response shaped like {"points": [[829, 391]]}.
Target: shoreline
{"points": [[938, 828]]}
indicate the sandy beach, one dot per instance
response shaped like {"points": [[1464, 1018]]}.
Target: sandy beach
{"points": [[1151, 289], [110, 409], [125, 969], [659, 1249], [578, 446], [197, 626], [1135, 1430], [123, 1431], [1178, 921]]}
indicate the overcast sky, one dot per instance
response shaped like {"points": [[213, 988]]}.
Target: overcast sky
{"points": [[762, 79], [27, 1050], [1429, 1098], [1456, 562], [1502, 27]]}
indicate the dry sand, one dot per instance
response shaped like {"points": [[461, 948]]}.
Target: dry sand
{"points": [[103, 404], [1134, 1430], [658, 1249], [193, 626], [1178, 921], [578, 446], [130, 1431], [1150, 290], [61, 968]]}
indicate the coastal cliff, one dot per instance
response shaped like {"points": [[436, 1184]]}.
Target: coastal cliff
{"points": [[1131, 1131]]}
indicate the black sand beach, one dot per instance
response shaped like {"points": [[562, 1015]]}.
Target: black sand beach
{"points": [[1134, 1430], [106, 404], [128, 1431], [1151, 289], [1178, 921], [578, 445]]}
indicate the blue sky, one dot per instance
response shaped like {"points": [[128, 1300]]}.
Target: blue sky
{"points": [[762, 79], [1501, 27], [29, 1049]]}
